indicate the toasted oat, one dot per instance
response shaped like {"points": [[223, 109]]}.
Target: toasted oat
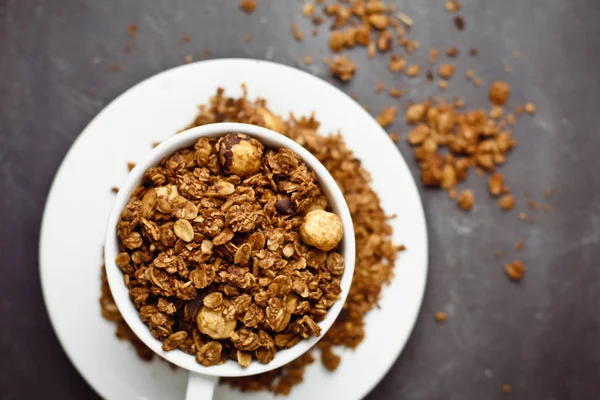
{"points": [[515, 270], [405, 19], [248, 6]]}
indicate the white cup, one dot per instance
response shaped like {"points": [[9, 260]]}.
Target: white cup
{"points": [[202, 380]]}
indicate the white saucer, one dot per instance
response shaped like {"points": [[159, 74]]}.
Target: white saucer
{"points": [[80, 200]]}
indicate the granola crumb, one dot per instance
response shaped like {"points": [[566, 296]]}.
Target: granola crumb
{"points": [[440, 317], [498, 253], [115, 68], [308, 9], [452, 51], [395, 93], [473, 51], [507, 69], [506, 202], [477, 82], [452, 5], [395, 137], [247, 38], [379, 87], [515, 55], [387, 115], [185, 39], [548, 192], [459, 22], [495, 184], [530, 108], [114, 189], [307, 60], [470, 74], [515, 270], [433, 55], [522, 216], [298, 35], [188, 58], [519, 245], [248, 6], [442, 84], [130, 166], [499, 92], [342, 68], [155, 144], [132, 30], [465, 200], [446, 70], [506, 389], [413, 70]]}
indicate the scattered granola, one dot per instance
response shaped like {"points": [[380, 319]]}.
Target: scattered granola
{"points": [[515, 270], [224, 250]]}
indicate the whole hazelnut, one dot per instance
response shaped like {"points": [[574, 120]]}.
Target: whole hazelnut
{"points": [[322, 230], [240, 154]]}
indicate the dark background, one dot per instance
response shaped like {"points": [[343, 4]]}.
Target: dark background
{"points": [[541, 335]]}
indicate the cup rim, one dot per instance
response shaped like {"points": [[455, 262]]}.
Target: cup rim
{"points": [[120, 292]]}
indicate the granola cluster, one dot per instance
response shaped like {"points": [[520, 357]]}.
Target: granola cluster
{"points": [[229, 252], [375, 252]]}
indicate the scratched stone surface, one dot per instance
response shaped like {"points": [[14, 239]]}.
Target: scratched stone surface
{"points": [[541, 336]]}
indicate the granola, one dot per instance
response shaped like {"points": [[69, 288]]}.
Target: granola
{"points": [[375, 252], [224, 251]]}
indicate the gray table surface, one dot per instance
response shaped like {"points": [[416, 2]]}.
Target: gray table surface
{"points": [[540, 336]]}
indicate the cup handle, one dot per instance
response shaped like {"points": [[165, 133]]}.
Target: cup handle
{"points": [[200, 387]]}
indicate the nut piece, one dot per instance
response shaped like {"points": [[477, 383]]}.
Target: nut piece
{"points": [[244, 358], [240, 154], [183, 230], [499, 92], [213, 323], [322, 230]]}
